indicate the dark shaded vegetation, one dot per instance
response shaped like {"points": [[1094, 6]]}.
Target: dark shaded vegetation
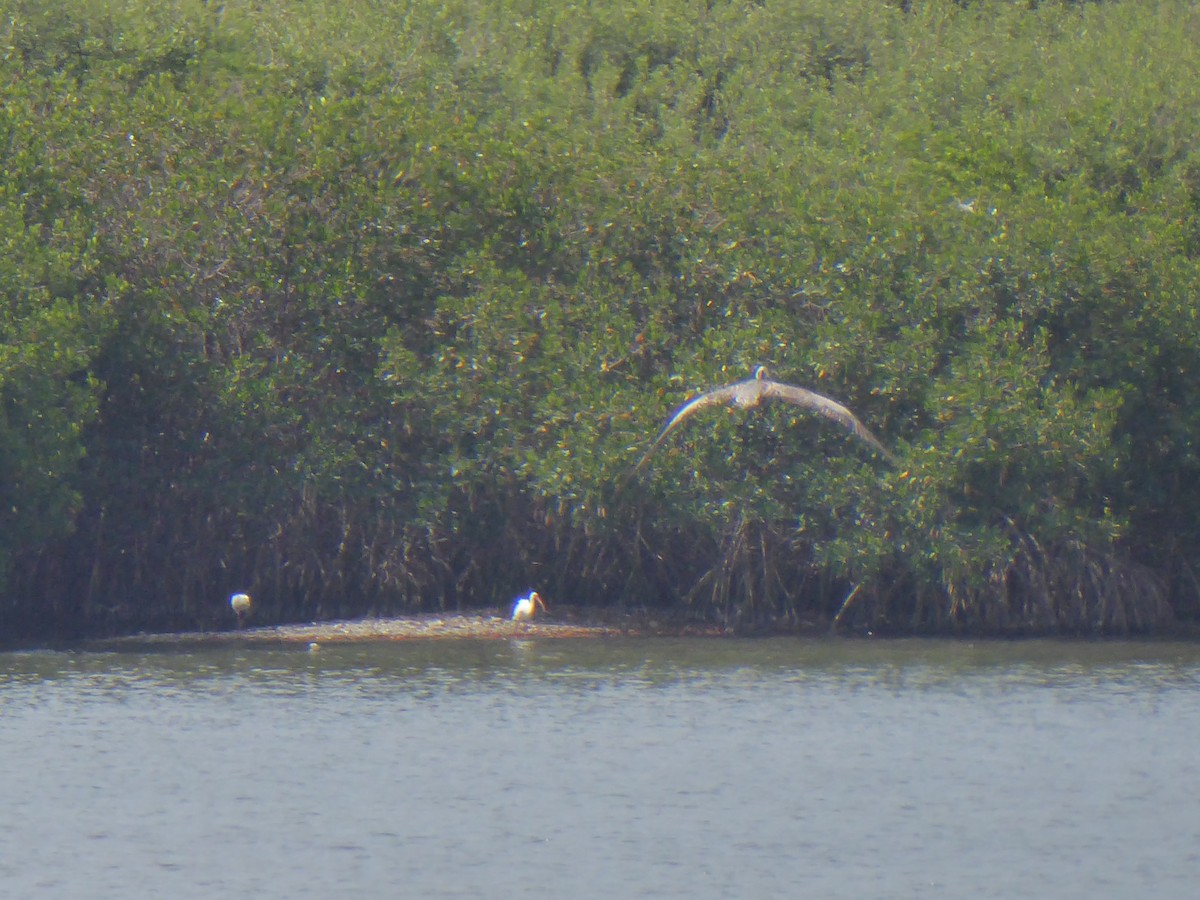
{"points": [[370, 308]]}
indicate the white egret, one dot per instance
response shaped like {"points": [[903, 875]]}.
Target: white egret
{"points": [[240, 604], [526, 606], [750, 393]]}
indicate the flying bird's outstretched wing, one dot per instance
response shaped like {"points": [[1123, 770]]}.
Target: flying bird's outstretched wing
{"points": [[719, 397], [824, 406], [751, 392]]}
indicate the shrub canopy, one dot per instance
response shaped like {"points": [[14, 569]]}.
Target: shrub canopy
{"points": [[373, 307]]}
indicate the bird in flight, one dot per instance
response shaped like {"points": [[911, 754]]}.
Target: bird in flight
{"points": [[750, 393], [526, 606]]}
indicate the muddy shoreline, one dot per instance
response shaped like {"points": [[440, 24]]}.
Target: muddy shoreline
{"points": [[418, 627], [485, 626]]}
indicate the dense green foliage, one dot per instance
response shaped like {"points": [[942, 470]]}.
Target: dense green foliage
{"points": [[372, 307]]}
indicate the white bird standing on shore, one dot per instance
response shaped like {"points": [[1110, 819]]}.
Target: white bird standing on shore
{"points": [[526, 606], [750, 393], [240, 604]]}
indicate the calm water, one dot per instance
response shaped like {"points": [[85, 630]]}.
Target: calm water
{"points": [[639, 768]]}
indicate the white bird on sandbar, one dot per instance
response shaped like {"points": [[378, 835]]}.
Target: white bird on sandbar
{"points": [[750, 393], [526, 606], [240, 604]]}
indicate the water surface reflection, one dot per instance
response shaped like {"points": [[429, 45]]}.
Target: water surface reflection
{"points": [[600, 768]]}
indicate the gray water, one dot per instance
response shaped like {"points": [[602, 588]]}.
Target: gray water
{"points": [[604, 768]]}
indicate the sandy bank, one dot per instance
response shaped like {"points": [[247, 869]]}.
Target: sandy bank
{"points": [[419, 627]]}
